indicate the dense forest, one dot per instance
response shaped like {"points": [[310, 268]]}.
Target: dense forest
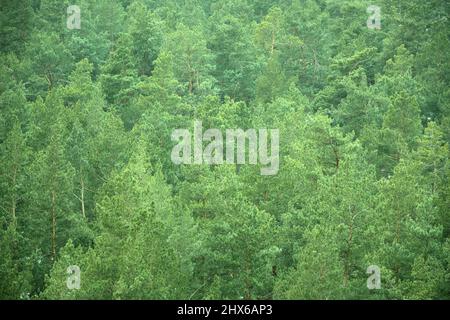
{"points": [[93, 207]]}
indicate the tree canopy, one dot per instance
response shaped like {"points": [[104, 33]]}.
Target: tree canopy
{"points": [[86, 177]]}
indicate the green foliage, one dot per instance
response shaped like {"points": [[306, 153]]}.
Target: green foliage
{"points": [[87, 180]]}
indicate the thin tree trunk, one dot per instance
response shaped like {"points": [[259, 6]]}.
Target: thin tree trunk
{"points": [[348, 254], [53, 226], [83, 211]]}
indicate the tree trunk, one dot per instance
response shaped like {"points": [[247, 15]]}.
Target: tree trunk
{"points": [[53, 226], [83, 211]]}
